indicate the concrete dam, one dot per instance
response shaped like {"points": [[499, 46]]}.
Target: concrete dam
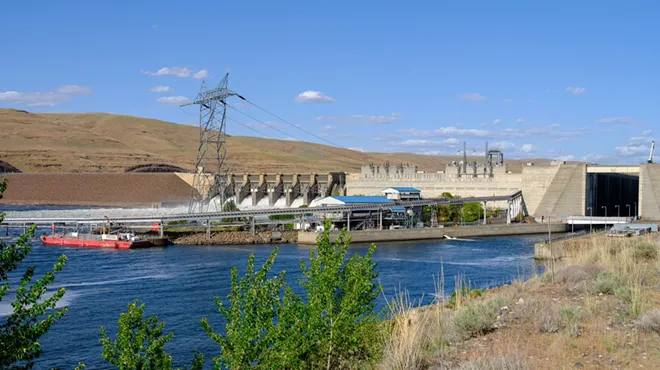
{"points": [[559, 190]]}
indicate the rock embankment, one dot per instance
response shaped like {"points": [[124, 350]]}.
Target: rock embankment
{"points": [[237, 238]]}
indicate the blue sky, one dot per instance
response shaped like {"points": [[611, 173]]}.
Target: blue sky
{"points": [[577, 80]]}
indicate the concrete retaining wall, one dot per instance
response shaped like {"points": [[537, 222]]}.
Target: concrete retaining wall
{"points": [[374, 236], [649, 191]]}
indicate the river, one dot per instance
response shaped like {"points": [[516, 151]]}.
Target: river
{"points": [[179, 285]]}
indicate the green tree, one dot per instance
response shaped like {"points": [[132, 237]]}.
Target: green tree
{"points": [[21, 330], [333, 326], [448, 212], [340, 319], [473, 211], [254, 302], [139, 344]]}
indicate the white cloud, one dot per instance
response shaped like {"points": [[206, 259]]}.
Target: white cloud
{"points": [[632, 150], [647, 132], [363, 118], [507, 100], [357, 149], [527, 148], [74, 90], [290, 138], [497, 122], [160, 89], [34, 99], [615, 120], [420, 143], [475, 97], [170, 71], [201, 74], [569, 157], [451, 141], [310, 96], [576, 90], [329, 127], [520, 120], [504, 145], [174, 100], [555, 125]]}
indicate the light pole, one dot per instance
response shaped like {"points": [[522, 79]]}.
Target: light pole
{"points": [[591, 215], [618, 211], [605, 207], [635, 210], [628, 206]]}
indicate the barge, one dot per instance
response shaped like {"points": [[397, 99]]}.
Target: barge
{"points": [[116, 241]]}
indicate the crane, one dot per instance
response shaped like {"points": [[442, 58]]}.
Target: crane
{"points": [[651, 155]]}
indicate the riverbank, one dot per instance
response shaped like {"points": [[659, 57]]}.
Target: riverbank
{"points": [[597, 309], [237, 238]]}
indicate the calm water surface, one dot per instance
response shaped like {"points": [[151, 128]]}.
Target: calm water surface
{"points": [[179, 284]]}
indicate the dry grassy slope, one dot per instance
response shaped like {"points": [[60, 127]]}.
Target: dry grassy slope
{"points": [[100, 142]]}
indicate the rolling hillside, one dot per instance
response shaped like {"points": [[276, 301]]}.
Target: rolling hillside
{"points": [[100, 142]]}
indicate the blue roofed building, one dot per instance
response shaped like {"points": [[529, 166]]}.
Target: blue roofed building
{"points": [[389, 214], [402, 193]]}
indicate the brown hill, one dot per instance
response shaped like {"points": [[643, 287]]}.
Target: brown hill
{"points": [[100, 142]]}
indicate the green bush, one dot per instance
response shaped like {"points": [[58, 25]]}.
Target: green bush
{"points": [[572, 317], [609, 283], [334, 325], [479, 317], [30, 318], [139, 343], [465, 292]]}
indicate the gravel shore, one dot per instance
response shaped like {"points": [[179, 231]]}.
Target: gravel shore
{"points": [[236, 238]]}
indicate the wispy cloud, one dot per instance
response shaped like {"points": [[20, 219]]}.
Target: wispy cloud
{"points": [[74, 90], [647, 132], [520, 120], [576, 90], [506, 134], [201, 74], [160, 89], [616, 120], [527, 148], [632, 150], [310, 96], [45, 99], [497, 122], [181, 72], [474, 97], [363, 118], [174, 100], [329, 127], [507, 100]]}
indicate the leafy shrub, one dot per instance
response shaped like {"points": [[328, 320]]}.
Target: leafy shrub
{"points": [[468, 293], [334, 325], [478, 317], [30, 319], [139, 343], [608, 283], [572, 317]]}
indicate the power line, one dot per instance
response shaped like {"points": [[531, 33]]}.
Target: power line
{"points": [[262, 122], [250, 128], [291, 124]]}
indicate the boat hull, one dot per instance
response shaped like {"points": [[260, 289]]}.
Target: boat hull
{"points": [[92, 243]]}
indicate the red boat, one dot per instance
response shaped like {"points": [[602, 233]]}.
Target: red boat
{"points": [[117, 241]]}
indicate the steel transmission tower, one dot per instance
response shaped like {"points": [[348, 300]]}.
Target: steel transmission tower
{"points": [[212, 165]]}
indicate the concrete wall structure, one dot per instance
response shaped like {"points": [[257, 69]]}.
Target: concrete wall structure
{"points": [[372, 236], [566, 194], [477, 181], [649, 191]]}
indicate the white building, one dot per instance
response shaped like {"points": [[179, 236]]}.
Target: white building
{"points": [[402, 193]]}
